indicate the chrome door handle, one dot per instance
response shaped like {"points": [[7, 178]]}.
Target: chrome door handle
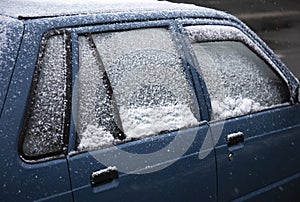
{"points": [[235, 139], [104, 176]]}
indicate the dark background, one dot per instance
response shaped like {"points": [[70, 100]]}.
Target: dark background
{"points": [[277, 22]]}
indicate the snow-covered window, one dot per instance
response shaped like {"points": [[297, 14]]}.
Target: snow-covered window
{"points": [[45, 119], [239, 81], [131, 84]]}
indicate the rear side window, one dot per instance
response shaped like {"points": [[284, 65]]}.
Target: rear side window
{"points": [[239, 82], [46, 115], [131, 85]]}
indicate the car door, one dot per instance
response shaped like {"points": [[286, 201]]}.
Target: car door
{"points": [[255, 123], [137, 125]]}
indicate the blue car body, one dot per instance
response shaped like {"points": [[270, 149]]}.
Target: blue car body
{"points": [[263, 166]]}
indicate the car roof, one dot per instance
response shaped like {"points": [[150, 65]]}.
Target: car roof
{"points": [[30, 9]]}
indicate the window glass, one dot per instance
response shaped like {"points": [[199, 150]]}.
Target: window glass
{"points": [[131, 82], [95, 118], [238, 81], [45, 123]]}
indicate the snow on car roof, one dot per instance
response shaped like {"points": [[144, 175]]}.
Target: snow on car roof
{"points": [[53, 8]]}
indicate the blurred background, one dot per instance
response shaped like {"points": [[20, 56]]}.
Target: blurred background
{"points": [[277, 22]]}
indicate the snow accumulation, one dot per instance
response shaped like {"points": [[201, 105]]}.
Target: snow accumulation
{"points": [[3, 48], [202, 33], [238, 81], [231, 107], [49, 8], [234, 135], [145, 65], [48, 109], [90, 1], [94, 137], [150, 89], [145, 121], [106, 170], [138, 123], [3, 38]]}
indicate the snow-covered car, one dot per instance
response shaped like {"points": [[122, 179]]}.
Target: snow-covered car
{"points": [[143, 101]]}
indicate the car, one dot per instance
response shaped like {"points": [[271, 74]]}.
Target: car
{"points": [[142, 101]]}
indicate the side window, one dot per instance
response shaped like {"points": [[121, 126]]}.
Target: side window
{"points": [[46, 115], [239, 82], [131, 85]]}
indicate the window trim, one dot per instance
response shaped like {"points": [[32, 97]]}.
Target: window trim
{"points": [[65, 33]]}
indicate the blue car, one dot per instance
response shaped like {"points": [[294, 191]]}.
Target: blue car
{"points": [[142, 101]]}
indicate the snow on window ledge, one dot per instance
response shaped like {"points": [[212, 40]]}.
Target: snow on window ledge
{"points": [[94, 137], [139, 122], [231, 107], [145, 121]]}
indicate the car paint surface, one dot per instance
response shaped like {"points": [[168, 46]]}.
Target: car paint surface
{"points": [[266, 164], [11, 36]]}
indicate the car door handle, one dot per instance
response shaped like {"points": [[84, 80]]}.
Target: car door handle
{"points": [[235, 140], [104, 176]]}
